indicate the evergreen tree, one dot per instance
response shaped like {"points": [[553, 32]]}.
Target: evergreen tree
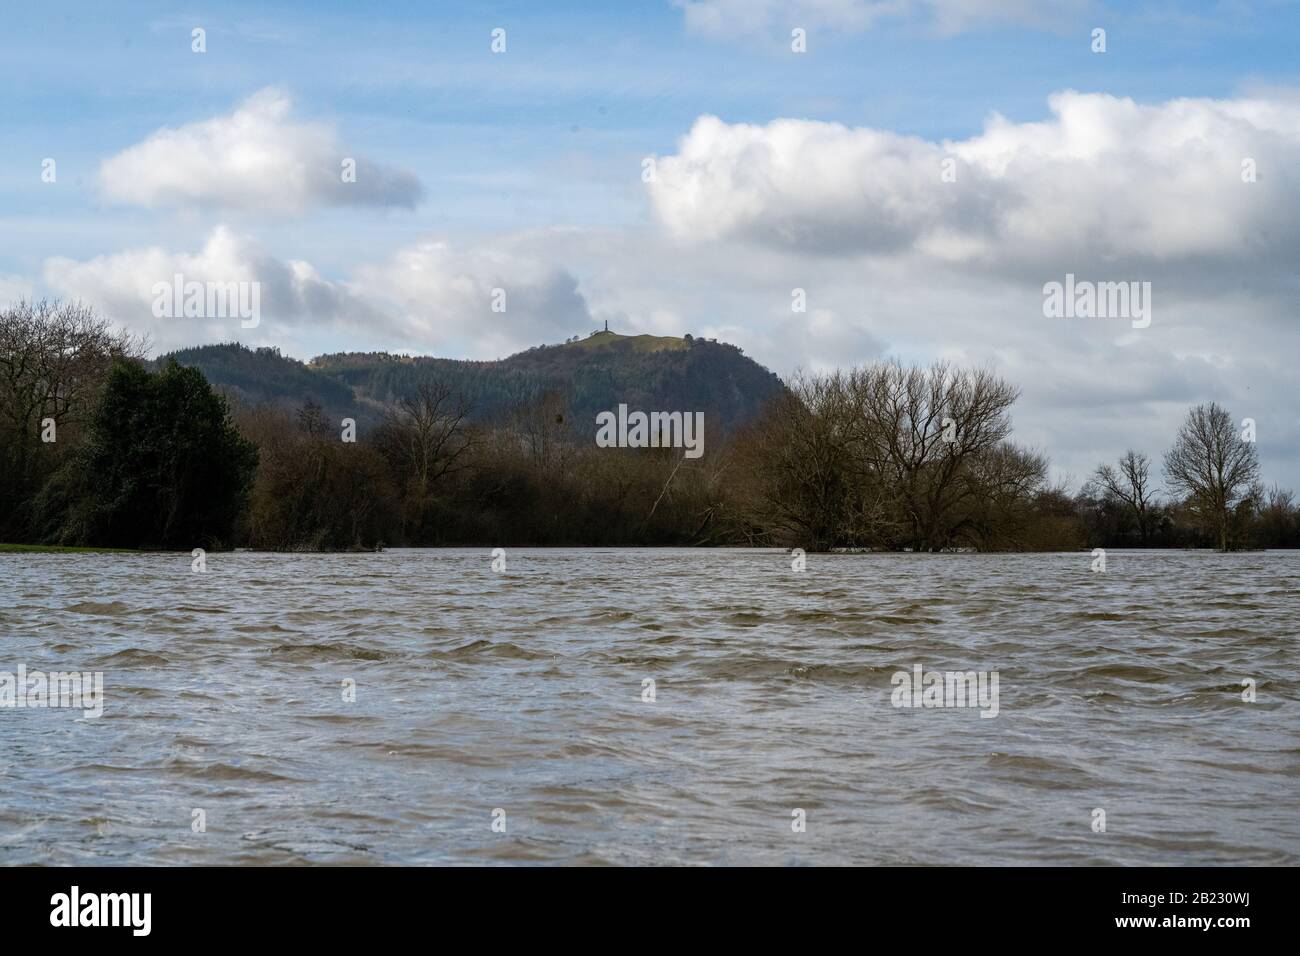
{"points": [[162, 466]]}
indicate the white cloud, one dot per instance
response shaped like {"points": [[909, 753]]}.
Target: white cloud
{"points": [[255, 159], [1105, 187], [292, 294], [428, 297], [1104, 180], [440, 289]]}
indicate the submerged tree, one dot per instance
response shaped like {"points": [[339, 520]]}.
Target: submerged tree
{"points": [[1278, 519], [920, 433], [1212, 465], [893, 457], [1129, 484], [425, 436], [315, 492], [793, 478]]}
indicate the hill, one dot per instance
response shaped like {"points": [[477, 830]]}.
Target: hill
{"points": [[653, 373], [262, 375], [640, 343]]}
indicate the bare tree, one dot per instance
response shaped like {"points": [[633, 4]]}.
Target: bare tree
{"points": [[52, 356], [891, 455], [916, 431], [1212, 465], [794, 474], [1130, 484], [429, 433], [1278, 518], [53, 359], [543, 428], [1004, 482]]}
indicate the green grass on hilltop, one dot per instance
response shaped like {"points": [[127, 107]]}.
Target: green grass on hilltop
{"points": [[641, 343]]}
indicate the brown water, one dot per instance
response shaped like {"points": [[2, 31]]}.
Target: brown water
{"points": [[522, 691]]}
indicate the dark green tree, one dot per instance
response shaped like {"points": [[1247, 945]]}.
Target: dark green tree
{"points": [[162, 466]]}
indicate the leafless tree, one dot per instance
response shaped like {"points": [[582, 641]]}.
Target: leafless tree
{"points": [[428, 431], [795, 468], [1212, 465], [1277, 517], [1129, 484], [916, 431], [52, 356], [543, 429]]}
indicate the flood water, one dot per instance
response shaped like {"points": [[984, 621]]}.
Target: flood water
{"points": [[523, 692]]}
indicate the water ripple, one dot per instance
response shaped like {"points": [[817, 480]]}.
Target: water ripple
{"points": [[665, 706]]}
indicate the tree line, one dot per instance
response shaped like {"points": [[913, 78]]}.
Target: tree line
{"points": [[895, 457], [99, 449]]}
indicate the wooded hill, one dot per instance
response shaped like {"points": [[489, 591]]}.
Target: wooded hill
{"points": [[652, 373]]}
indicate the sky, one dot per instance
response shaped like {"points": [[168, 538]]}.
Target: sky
{"points": [[914, 173]]}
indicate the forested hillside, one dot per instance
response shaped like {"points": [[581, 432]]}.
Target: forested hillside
{"points": [[591, 375], [255, 376]]}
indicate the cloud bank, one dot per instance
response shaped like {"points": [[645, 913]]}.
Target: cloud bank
{"points": [[1103, 180], [429, 296]]}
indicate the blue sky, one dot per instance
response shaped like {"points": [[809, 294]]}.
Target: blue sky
{"points": [[492, 135], [529, 167]]}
